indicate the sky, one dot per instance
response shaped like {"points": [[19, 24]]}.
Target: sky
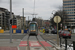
{"points": [[43, 8]]}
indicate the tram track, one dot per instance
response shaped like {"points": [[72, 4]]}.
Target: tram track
{"points": [[48, 40], [28, 46]]}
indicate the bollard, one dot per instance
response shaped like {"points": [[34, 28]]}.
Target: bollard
{"points": [[73, 45]]}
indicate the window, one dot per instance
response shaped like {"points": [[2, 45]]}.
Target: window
{"points": [[68, 1], [0, 14], [33, 27]]}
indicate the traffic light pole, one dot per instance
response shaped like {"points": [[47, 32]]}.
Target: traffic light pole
{"points": [[9, 21]]}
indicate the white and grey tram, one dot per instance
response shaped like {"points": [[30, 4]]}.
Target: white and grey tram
{"points": [[33, 28]]}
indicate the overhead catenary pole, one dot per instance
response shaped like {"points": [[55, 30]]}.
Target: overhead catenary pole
{"points": [[23, 18], [34, 10], [9, 21]]}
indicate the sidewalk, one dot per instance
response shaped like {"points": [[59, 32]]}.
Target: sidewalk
{"points": [[8, 33], [6, 45]]}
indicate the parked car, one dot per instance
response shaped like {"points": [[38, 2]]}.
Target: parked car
{"points": [[46, 30], [54, 31], [65, 34], [59, 31]]}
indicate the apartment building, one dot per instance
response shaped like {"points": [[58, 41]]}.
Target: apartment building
{"points": [[4, 18], [23, 18], [69, 7], [19, 20]]}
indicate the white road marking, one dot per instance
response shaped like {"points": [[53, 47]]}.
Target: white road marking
{"points": [[18, 47], [22, 44]]}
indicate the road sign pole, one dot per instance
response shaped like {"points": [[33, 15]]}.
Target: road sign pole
{"points": [[65, 44], [60, 41], [9, 21], [57, 32], [57, 19]]}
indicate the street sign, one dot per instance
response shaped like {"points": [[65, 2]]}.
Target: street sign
{"points": [[14, 26], [57, 19]]}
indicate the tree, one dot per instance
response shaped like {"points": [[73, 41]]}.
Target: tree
{"points": [[63, 16]]}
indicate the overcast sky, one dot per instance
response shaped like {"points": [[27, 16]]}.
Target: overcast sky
{"points": [[43, 8]]}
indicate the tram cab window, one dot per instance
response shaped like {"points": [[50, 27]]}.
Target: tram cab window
{"points": [[33, 27]]}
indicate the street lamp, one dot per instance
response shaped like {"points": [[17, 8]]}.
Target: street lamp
{"points": [[53, 11]]}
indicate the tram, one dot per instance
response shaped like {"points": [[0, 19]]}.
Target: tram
{"points": [[33, 28]]}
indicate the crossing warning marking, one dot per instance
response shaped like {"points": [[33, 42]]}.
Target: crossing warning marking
{"points": [[34, 44], [23, 43], [46, 44]]}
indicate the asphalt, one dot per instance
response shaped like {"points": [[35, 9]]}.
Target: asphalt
{"points": [[15, 42]]}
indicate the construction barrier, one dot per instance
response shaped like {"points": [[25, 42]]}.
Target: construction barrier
{"points": [[22, 31], [14, 31], [25, 31], [1, 30], [19, 31]]}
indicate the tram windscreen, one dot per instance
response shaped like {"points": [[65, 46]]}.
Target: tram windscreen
{"points": [[32, 26]]}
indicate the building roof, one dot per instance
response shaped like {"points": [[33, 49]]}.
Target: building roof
{"points": [[2, 9]]}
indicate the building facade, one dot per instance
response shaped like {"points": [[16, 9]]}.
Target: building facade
{"points": [[4, 18], [69, 7], [19, 21]]}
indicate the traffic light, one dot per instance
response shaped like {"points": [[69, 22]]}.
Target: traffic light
{"points": [[11, 21]]}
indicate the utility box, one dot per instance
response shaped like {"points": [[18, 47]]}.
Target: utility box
{"points": [[73, 45]]}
